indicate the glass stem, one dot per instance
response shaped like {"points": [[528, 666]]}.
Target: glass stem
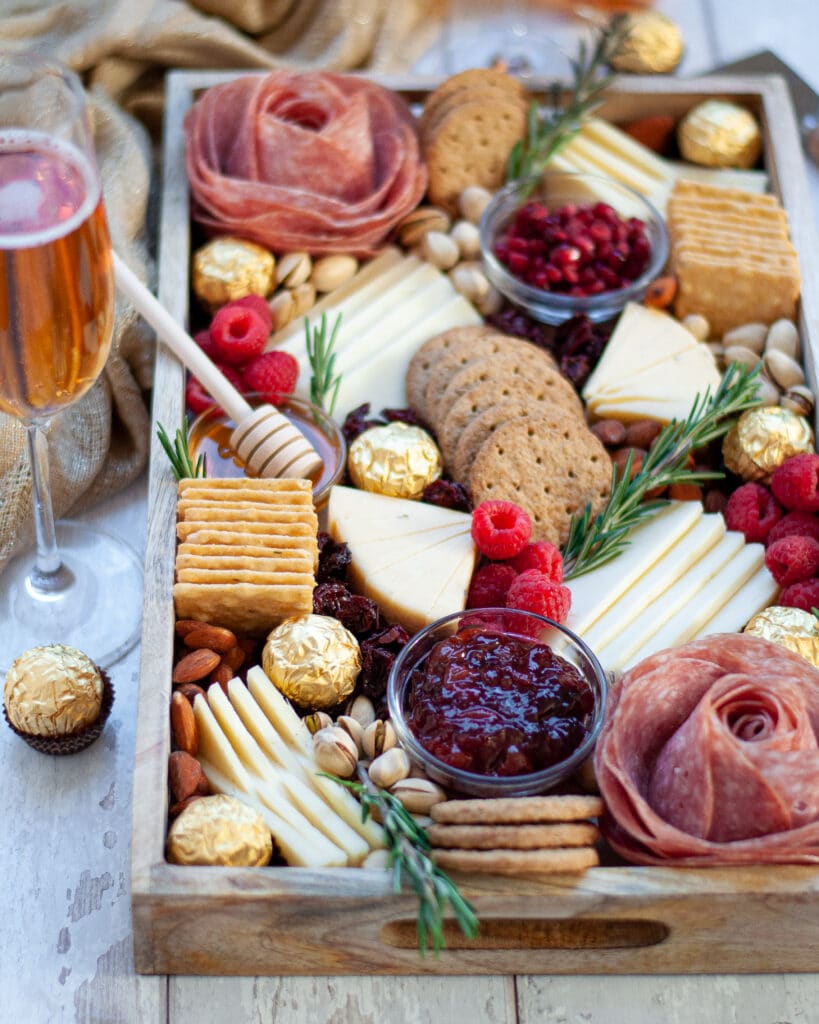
{"points": [[47, 573]]}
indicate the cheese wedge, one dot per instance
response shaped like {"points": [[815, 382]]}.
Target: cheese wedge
{"points": [[414, 560], [759, 592], [677, 378], [594, 593]]}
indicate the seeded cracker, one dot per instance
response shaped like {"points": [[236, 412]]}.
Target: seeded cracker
{"points": [[422, 364]]}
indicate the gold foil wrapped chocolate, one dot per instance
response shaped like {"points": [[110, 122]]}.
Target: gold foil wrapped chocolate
{"points": [[720, 134], [221, 831], [52, 691], [792, 628], [230, 268], [762, 439], [651, 44], [313, 660], [397, 460]]}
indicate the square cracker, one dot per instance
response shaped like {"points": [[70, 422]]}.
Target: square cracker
{"points": [[219, 527], [261, 486], [243, 562], [243, 607]]}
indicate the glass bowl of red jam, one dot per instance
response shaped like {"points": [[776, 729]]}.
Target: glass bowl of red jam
{"points": [[570, 243], [497, 702]]}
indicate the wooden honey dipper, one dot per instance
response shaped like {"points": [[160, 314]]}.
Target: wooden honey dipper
{"points": [[265, 440]]}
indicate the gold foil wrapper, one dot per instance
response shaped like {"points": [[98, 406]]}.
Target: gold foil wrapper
{"points": [[52, 691], [762, 439], [222, 831], [720, 134], [791, 628], [652, 45], [230, 268], [397, 460], [313, 660]]}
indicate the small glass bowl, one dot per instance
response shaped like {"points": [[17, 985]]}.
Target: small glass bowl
{"points": [[210, 435], [556, 189], [563, 643]]}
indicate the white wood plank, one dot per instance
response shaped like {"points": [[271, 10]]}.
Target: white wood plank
{"points": [[366, 1000]]}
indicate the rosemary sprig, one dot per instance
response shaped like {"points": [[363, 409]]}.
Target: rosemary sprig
{"points": [[595, 540], [323, 382], [409, 859], [179, 453], [551, 128]]}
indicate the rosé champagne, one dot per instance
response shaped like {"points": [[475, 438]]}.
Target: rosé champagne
{"points": [[56, 280]]}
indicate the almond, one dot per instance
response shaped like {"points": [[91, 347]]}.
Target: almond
{"points": [[184, 626], [213, 637], [185, 776], [184, 725], [190, 691], [222, 675], [177, 808], [235, 657], [195, 666]]}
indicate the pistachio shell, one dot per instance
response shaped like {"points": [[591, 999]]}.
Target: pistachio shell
{"points": [[750, 336], [352, 728], [378, 737], [439, 250], [784, 337], [304, 298], [281, 309], [784, 371], [740, 354], [472, 202], [293, 269], [418, 796], [335, 751], [361, 709], [697, 325], [470, 280], [466, 236], [415, 225], [799, 399], [769, 393], [331, 272], [491, 303], [392, 766]]}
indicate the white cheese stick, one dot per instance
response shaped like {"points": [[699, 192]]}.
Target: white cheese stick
{"points": [[759, 592], [279, 711]]}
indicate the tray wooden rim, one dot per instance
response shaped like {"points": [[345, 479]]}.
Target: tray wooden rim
{"points": [[178, 912]]}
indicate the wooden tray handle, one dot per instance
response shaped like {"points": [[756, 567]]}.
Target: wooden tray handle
{"points": [[537, 933]]}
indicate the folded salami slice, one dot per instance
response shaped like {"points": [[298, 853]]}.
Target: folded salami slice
{"points": [[317, 161], [709, 755]]}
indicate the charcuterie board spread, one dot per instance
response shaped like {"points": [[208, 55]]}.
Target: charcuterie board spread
{"points": [[545, 613]]}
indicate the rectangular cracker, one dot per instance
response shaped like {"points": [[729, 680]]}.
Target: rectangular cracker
{"points": [[518, 862], [518, 810], [291, 503], [259, 485], [243, 607], [203, 574], [701, 190], [244, 563], [514, 837], [272, 531], [221, 512], [234, 551]]}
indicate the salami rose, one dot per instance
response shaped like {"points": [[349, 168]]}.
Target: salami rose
{"points": [[709, 755], [316, 161]]}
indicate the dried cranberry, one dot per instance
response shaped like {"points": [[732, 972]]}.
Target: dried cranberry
{"points": [[378, 654], [408, 416], [334, 559], [356, 422], [447, 494], [358, 614]]}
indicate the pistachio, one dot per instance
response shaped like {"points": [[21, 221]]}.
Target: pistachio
{"points": [[697, 325], [782, 370], [318, 720], [466, 236], [361, 709], [293, 269], [352, 728], [767, 392], [439, 250], [491, 303], [784, 337], [376, 860], [415, 225], [378, 737], [304, 298], [335, 751], [799, 399], [332, 272], [281, 309], [739, 354], [418, 796], [392, 766], [750, 336], [470, 280], [472, 202]]}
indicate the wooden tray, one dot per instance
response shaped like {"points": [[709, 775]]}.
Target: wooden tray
{"points": [[617, 920]]}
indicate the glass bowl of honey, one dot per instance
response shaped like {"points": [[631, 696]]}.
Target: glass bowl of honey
{"points": [[210, 436]]}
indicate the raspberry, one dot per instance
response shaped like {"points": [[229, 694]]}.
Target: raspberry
{"points": [[796, 483], [205, 342], [238, 333], [752, 510], [804, 595], [501, 529], [273, 374], [233, 375], [793, 559], [544, 557], [794, 524], [534, 592], [196, 398], [490, 585], [258, 305]]}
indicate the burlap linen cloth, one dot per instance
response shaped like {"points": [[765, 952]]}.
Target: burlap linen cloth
{"points": [[122, 49]]}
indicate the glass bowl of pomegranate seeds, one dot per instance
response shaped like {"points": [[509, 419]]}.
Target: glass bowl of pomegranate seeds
{"points": [[568, 243], [496, 702]]}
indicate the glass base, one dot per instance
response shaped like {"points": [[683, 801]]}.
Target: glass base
{"points": [[95, 607]]}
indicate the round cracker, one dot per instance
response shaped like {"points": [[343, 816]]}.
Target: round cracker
{"points": [[487, 94], [551, 474], [423, 362], [518, 809], [518, 862], [464, 82], [514, 837]]}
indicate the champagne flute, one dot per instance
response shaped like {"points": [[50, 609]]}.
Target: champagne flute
{"points": [[83, 586]]}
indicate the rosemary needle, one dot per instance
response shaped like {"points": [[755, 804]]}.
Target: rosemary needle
{"points": [[179, 454], [324, 382]]}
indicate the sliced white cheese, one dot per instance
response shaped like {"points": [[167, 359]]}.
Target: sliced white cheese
{"points": [[632, 409], [751, 180], [414, 560], [702, 605], [600, 159], [597, 591], [626, 147], [279, 711], [678, 378], [642, 338], [641, 599], [261, 729], [759, 592]]}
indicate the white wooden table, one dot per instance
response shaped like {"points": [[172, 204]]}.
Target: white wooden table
{"points": [[65, 941]]}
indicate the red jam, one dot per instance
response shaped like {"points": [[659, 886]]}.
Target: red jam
{"points": [[577, 249], [498, 704]]}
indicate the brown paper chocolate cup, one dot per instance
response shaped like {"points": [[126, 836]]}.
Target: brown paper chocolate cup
{"points": [[72, 742]]}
